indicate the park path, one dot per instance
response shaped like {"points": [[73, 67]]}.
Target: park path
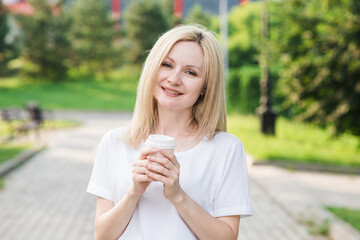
{"points": [[46, 197]]}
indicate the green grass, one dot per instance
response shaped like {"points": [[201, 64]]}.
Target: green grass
{"points": [[1, 183], [10, 150], [116, 92], [295, 141], [351, 216]]}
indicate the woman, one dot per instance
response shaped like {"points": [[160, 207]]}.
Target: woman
{"points": [[201, 190]]}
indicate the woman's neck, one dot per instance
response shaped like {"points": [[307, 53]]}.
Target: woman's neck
{"points": [[176, 125], [173, 123]]}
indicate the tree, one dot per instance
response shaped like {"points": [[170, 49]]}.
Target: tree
{"points": [[3, 27], [144, 22], [168, 10], [92, 35], [244, 35], [5, 49], [320, 53], [198, 16], [243, 89], [45, 47]]}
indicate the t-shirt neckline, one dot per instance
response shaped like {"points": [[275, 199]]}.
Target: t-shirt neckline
{"points": [[191, 150]]}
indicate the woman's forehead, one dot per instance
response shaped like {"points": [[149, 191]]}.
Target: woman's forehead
{"points": [[187, 52]]}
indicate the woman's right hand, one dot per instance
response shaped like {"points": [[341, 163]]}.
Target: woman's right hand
{"points": [[140, 180]]}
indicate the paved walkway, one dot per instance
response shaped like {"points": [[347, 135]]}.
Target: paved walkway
{"points": [[46, 199]]}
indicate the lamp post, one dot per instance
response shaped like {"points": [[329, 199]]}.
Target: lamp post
{"points": [[265, 112]]}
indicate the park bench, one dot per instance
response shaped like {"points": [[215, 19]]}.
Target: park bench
{"points": [[21, 121]]}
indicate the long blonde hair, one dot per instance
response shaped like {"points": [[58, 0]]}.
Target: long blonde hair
{"points": [[209, 112]]}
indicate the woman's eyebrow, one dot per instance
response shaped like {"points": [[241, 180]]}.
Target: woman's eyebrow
{"points": [[189, 65], [169, 58], [193, 66]]}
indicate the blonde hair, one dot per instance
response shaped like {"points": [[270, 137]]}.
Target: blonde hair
{"points": [[209, 112]]}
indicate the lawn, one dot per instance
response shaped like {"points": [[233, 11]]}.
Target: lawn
{"points": [[352, 216], [10, 150], [295, 141], [115, 93]]}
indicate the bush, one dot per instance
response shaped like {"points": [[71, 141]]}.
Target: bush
{"points": [[244, 89], [244, 35], [320, 52]]}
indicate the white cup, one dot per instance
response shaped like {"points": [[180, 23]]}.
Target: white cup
{"points": [[161, 142]]}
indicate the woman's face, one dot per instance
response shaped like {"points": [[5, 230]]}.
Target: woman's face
{"points": [[180, 79]]}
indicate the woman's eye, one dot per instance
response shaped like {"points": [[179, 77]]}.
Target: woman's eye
{"points": [[167, 65], [192, 73]]}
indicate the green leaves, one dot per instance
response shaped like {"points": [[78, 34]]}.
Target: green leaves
{"points": [[321, 70], [145, 21]]}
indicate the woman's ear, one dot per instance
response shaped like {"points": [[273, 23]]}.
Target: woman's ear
{"points": [[202, 93]]}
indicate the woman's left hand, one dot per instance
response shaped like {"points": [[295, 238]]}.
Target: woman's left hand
{"points": [[167, 171]]}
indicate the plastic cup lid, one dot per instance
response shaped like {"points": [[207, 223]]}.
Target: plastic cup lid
{"points": [[161, 141]]}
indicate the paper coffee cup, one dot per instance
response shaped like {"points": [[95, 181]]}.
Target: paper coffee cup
{"points": [[161, 142]]}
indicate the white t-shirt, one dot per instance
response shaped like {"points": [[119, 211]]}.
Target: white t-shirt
{"points": [[213, 173]]}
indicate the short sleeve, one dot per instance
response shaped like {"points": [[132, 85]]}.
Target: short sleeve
{"points": [[99, 180], [232, 197]]}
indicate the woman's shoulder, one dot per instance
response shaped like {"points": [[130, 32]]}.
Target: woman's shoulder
{"points": [[226, 139], [116, 134]]}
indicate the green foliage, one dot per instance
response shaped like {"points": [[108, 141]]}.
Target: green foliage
{"points": [[244, 89], [198, 16], [3, 32], [7, 50], [92, 36], [244, 46], [168, 8], [144, 22], [244, 35], [320, 56], [352, 216], [3, 28], [45, 47]]}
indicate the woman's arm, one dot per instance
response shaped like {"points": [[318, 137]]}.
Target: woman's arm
{"points": [[205, 226], [202, 223], [111, 220]]}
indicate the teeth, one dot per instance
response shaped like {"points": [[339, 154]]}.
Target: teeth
{"points": [[172, 92]]}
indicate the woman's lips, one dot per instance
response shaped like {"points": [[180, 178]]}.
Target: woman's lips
{"points": [[171, 92]]}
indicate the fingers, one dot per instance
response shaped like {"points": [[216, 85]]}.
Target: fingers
{"points": [[146, 152], [169, 155], [160, 160], [158, 171], [139, 178], [139, 171], [162, 175]]}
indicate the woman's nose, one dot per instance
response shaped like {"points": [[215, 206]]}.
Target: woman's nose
{"points": [[175, 77]]}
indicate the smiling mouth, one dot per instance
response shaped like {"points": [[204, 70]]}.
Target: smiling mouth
{"points": [[171, 92]]}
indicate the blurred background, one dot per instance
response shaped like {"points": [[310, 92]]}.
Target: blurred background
{"points": [[292, 74]]}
